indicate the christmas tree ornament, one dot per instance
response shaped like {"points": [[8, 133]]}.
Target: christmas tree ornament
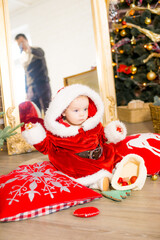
{"points": [[147, 21], [123, 33], [121, 51], [116, 30], [133, 179], [116, 76], [133, 69], [113, 50], [120, 20], [121, 1], [149, 47], [132, 5], [133, 40], [132, 12], [112, 41], [114, 64], [151, 75], [132, 77], [124, 68], [154, 177], [145, 46], [123, 22], [144, 84]]}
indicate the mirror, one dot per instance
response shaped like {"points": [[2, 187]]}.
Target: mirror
{"points": [[71, 34], [63, 29]]}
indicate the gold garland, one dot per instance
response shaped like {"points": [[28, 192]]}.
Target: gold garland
{"points": [[153, 36], [150, 56], [154, 11]]}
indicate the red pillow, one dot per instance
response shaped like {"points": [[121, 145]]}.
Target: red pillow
{"points": [[146, 145], [35, 190]]}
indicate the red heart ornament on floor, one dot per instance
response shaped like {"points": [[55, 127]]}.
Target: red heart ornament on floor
{"points": [[86, 212]]}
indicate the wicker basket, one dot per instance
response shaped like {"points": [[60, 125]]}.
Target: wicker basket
{"points": [[155, 115]]}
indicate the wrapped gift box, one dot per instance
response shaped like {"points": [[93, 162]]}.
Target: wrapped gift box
{"points": [[134, 112]]}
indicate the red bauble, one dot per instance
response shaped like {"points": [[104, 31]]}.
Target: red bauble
{"points": [[124, 183], [133, 179], [120, 180]]}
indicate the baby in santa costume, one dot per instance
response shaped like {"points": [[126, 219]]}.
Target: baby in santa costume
{"points": [[75, 139]]}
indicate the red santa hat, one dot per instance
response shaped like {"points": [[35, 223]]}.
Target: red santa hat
{"points": [[62, 100], [29, 112]]}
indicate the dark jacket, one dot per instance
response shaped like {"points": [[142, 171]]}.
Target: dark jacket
{"points": [[37, 68]]}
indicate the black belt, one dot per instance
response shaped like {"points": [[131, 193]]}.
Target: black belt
{"points": [[92, 154]]}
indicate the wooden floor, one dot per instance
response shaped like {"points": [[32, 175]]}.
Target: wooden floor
{"points": [[137, 217]]}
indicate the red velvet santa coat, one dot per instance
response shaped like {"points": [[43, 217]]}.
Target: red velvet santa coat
{"points": [[62, 142]]}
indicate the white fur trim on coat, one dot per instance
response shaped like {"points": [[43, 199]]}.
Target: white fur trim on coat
{"points": [[142, 173], [91, 179], [62, 101], [34, 135], [112, 134]]}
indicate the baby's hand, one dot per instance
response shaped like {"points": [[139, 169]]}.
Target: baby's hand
{"points": [[29, 126]]}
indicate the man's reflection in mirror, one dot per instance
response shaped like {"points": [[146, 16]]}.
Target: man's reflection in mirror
{"points": [[36, 73]]}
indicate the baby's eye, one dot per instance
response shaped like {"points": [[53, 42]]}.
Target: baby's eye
{"points": [[76, 110], [85, 109]]}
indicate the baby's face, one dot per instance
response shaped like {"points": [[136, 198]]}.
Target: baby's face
{"points": [[77, 111]]}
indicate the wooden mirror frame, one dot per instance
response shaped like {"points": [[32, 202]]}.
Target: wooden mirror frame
{"points": [[16, 143]]}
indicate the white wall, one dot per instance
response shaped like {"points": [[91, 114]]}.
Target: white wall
{"points": [[64, 30]]}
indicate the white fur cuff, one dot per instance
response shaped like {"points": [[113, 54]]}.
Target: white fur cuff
{"points": [[34, 135], [115, 131]]}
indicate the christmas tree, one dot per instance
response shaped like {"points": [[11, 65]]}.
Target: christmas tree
{"points": [[135, 42]]}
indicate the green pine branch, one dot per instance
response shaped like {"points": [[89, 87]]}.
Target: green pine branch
{"points": [[8, 132]]}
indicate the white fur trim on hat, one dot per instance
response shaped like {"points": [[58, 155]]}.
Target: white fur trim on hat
{"points": [[34, 135], [130, 165], [91, 179], [62, 100], [112, 133], [37, 109]]}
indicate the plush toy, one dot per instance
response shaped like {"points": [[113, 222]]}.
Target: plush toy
{"points": [[29, 112], [76, 141]]}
